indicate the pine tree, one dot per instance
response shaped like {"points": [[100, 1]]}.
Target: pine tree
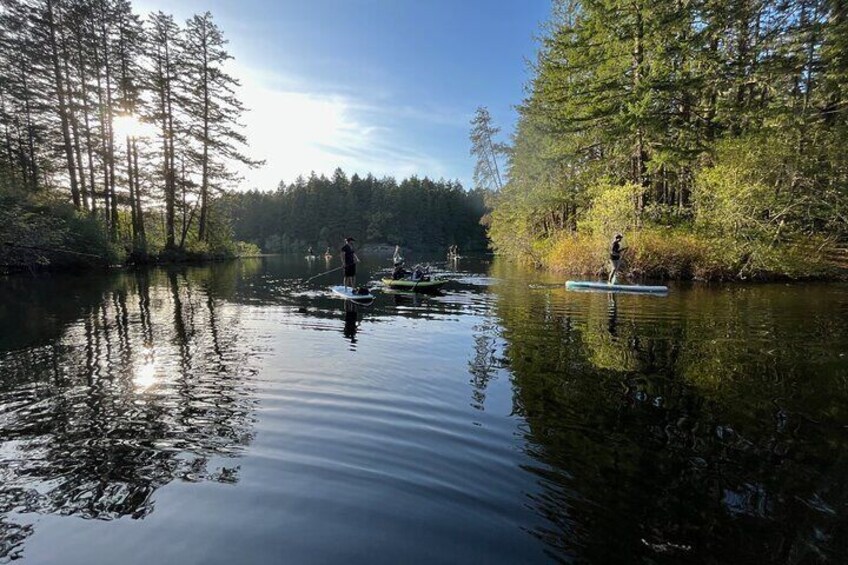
{"points": [[487, 171], [164, 36], [213, 110]]}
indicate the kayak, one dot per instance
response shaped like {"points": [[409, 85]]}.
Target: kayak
{"points": [[349, 293], [605, 287], [311, 257], [409, 284]]}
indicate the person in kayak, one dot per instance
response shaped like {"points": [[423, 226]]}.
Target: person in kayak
{"points": [[419, 274], [399, 272], [349, 261], [615, 257], [397, 257]]}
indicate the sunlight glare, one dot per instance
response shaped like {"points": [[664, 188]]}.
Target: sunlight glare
{"points": [[128, 125], [145, 376]]}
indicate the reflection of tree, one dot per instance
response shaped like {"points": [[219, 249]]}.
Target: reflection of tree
{"points": [[151, 384], [701, 436]]}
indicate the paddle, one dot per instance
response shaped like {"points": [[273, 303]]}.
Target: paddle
{"points": [[324, 273]]}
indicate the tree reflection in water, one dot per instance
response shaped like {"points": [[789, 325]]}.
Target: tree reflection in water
{"points": [[715, 434], [146, 382]]}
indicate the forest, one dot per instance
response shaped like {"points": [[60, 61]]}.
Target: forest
{"points": [[117, 133], [712, 134], [420, 214]]}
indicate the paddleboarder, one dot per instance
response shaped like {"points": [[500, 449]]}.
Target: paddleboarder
{"points": [[615, 257], [349, 261]]}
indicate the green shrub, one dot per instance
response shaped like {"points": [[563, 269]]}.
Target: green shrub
{"points": [[247, 249], [39, 230]]}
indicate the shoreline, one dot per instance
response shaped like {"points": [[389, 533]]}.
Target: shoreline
{"points": [[563, 272]]}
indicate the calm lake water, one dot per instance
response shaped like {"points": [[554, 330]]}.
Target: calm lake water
{"points": [[234, 414]]}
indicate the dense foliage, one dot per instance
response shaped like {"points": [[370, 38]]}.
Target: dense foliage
{"points": [[132, 120], [715, 129], [319, 211]]}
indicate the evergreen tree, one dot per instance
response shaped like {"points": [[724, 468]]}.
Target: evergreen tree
{"points": [[212, 109], [487, 171]]}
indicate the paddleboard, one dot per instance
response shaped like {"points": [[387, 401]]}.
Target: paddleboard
{"points": [[348, 293], [604, 287]]}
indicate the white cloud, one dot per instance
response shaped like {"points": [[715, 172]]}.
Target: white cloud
{"points": [[297, 131]]}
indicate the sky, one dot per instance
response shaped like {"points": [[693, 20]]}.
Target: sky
{"points": [[380, 86]]}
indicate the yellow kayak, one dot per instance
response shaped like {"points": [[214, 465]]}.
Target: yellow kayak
{"points": [[409, 284]]}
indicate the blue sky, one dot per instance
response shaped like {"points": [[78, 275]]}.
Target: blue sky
{"points": [[381, 86]]}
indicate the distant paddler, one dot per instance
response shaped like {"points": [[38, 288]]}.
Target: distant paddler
{"points": [[328, 254], [616, 251], [397, 257], [349, 261]]}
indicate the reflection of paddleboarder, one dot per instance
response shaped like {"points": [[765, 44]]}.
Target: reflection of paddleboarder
{"points": [[350, 321], [612, 321]]}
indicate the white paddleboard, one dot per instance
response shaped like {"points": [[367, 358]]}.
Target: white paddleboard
{"points": [[604, 287], [348, 293]]}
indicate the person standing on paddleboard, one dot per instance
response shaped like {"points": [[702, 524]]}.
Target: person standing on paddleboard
{"points": [[615, 257], [349, 261]]}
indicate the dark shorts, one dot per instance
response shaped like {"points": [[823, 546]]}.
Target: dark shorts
{"points": [[350, 270]]}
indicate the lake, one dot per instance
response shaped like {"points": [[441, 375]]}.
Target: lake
{"points": [[233, 413]]}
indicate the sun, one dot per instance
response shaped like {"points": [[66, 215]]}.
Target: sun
{"points": [[129, 125]]}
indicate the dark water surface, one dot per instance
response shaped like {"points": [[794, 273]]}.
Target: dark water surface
{"points": [[232, 414]]}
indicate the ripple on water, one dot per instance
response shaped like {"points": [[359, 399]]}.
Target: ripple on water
{"points": [[237, 413]]}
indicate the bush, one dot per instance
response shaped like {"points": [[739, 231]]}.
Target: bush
{"points": [[247, 249], [669, 254], [576, 254], [675, 253], [40, 231]]}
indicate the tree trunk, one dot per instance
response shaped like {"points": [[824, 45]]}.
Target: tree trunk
{"points": [[639, 157], [130, 185], [86, 121], [139, 212], [204, 183], [109, 134], [164, 67], [63, 110], [184, 230], [33, 163], [72, 116]]}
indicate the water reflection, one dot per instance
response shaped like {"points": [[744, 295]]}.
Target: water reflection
{"points": [[351, 322], [122, 400], [612, 323], [710, 427], [503, 416]]}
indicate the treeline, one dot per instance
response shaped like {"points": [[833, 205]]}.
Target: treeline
{"points": [[712, 133], [416, 213], [133, 120]]}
